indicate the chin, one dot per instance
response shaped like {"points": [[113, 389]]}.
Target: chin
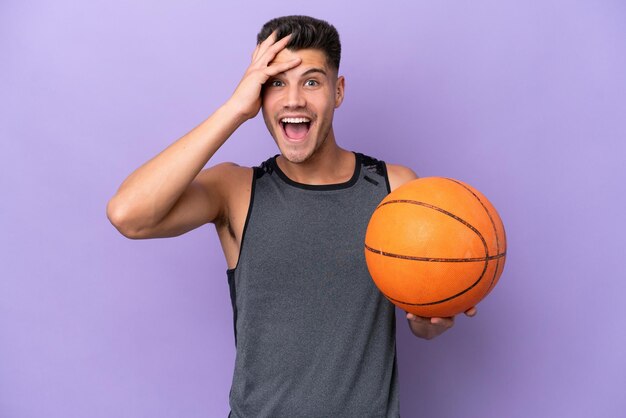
{"points": [[296, 156], [295, 153], [298, 153]]}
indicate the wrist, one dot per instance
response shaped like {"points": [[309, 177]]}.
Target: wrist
{"points": [[235, 111]]}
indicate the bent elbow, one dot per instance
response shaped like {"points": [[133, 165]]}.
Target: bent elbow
{"points": [[120, 219]]}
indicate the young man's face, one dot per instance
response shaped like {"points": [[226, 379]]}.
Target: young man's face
{"points": [[298, 105]]}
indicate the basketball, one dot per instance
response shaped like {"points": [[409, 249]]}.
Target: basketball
{"points": [[435, 247]]}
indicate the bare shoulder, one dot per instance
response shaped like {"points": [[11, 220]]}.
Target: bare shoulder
{"points": [[228, 175], [229, 184], [225, 179], [398, 175]]}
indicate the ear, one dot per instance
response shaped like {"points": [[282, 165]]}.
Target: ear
{"points": [[339, 90]]}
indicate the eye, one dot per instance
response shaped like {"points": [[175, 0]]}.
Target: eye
{"points": [[311, 83], [276, 83]]}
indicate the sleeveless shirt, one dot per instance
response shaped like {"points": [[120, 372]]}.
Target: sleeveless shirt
{"points": [[314, 337]]}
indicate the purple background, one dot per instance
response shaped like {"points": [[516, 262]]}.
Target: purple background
{"points": [[524, 100]]}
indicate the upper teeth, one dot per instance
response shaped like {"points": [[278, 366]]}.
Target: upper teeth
{"points": [[295, 120]]}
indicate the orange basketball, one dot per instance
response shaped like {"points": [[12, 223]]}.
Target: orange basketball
{"points": [[435, 247]]}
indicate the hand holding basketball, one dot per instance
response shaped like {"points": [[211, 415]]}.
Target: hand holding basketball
{"points": [[429, 328]]}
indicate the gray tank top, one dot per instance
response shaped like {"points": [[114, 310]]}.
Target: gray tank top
{"points": [[314, 336]]}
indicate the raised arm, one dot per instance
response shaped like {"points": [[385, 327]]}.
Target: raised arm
{"points": [[170, 195]]}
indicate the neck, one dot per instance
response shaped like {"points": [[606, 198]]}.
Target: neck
{"points": [[329, 164]]}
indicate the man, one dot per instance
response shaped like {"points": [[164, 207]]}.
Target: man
{"points": [[314, 336]]}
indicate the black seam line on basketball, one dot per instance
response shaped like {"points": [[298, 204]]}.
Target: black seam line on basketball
{"points": [[435, 259], [464, 222], [445, 212], [493, 278], [449, 297], [493, 225]]}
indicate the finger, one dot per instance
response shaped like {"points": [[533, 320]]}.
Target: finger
{"points": [[443, 322], [471, 311], [270, 39], [268, 54], [418, 320], [268, 42], [413, 317], [255, 52], [277, 68]]}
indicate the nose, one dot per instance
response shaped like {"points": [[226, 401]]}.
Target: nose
{"points": [[295, 97]]}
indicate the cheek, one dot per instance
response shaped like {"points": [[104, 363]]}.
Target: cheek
{"points": [[324, 103], [268, 97], [267, 117], [329, 105], [268, 107], [264, 103]]}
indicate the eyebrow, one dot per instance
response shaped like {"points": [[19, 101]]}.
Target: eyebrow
{"points": [[307, 72], [312, 71]]}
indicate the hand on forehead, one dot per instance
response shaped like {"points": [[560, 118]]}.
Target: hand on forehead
{"points": [[286, 55], [310, 58]]}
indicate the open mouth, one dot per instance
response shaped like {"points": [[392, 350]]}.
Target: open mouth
{"points": [[295, 128]]}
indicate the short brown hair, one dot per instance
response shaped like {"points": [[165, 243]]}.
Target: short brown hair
{"points": [[307, 32]]}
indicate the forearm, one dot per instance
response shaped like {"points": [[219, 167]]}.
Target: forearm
{"points": [[150, 192]]}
